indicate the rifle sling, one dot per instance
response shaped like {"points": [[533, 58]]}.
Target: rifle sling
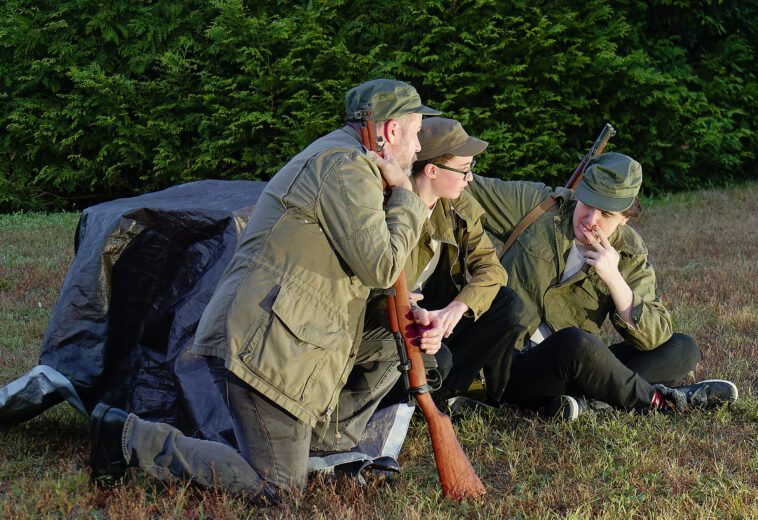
{"points": [[530, 217]]}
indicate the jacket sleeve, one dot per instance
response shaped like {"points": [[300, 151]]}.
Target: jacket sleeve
{"points": [[373, 240], [651, 317], [487, 275], [506, 202]]}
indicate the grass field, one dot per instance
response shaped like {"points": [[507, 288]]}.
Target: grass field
{"points": [[704, 247]]}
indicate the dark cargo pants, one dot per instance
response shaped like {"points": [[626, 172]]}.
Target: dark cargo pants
{"points": [[463, 354], [472, 343], [574, 362]]}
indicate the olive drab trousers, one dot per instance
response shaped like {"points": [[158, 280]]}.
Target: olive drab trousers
{"points": [[274, 445]]}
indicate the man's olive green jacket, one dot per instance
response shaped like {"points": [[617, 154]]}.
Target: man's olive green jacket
{"points": [[287, 315], [537, 259], [467, 253]]}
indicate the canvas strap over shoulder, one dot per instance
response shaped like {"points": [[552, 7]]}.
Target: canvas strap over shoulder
{"points": [[530, 217]]}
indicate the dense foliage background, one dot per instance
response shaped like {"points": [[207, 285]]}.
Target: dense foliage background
{"points": [[106, 99]]}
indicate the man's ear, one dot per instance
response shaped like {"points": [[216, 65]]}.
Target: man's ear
{"points": [[624, 221], [391, 131]]}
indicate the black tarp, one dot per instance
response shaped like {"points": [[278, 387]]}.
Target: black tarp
{"points": [[145, 268]]}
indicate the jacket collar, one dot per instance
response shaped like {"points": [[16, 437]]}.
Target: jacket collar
{"points": [[352, 132]]}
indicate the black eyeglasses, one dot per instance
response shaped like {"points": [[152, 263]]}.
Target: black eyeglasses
{"points": [[465, 173]]}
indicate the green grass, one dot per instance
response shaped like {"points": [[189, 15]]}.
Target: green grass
{"points": [[704, 247]]}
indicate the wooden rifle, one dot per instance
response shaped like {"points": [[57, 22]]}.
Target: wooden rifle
{"points": [[605, 134], [457, 477]]}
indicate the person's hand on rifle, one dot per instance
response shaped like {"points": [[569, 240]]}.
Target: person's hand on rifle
{"points": [[393, 174], [450, 316], [428, 325]]}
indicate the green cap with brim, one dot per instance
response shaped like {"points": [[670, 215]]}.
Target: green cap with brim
{"points": [[439, 136], [610, 182], [386, 99]]}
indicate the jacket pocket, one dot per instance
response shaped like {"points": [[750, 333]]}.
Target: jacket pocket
{"points": [[536, 242], [311, 321], [575, 305], [533, 261], [300, 336]]}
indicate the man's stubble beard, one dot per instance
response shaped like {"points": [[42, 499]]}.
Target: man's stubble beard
{"points": [[408, 168]]}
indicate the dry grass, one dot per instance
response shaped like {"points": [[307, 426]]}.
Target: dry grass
{"points": [[705, 251], [618, 465]]}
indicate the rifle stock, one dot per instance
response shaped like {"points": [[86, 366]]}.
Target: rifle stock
{"points": [[605, 134], [457, 477]]}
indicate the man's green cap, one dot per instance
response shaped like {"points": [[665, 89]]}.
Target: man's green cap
{"points": [[439, 136], [610, 182], [386, 99]]}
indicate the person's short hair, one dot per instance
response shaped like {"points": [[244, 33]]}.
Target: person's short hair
{"points": [[633, 211], [402, 120], [418, 166]]}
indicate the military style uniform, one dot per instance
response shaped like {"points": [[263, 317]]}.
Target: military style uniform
{"points": [[469, 272], [538, 258], [475, 273], [536, 262], [287, 316]]}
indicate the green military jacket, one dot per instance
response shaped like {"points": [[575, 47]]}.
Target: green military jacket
{"points": [[467, 253], [537, 259], [287, 315]]}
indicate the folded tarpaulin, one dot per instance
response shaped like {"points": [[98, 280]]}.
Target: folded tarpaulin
{"points": [[145, 268]]}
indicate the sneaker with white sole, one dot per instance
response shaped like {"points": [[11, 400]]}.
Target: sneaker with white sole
{"points": [[704, 394], [570, 407], [564, 408], [709, 393]]}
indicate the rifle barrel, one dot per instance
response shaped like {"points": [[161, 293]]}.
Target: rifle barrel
{"points": [[597, 148]]}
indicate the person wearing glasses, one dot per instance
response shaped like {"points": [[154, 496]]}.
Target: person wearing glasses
{"points": [[453, 273], [287, 315]]}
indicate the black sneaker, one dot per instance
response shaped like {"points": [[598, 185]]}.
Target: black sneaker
{"points": [[709, 393], [462, 405], [670, 400], [569, 407], [106, 430]]}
